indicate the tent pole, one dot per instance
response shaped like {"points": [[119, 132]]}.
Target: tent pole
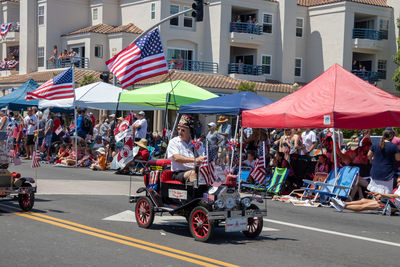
{"points": [[334, 155], [166, 114], [234, 140], [173, 128], [240, 155], [75, 120]]}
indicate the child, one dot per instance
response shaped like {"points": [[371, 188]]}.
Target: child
{"points": [[322, 164], [100, 163], [87, 159], [251, 159]]}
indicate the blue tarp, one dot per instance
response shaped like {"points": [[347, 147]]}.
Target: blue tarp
{"points": [[232, 104], [16, 100]]}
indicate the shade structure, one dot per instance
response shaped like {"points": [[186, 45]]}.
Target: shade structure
{"points": [[232, 104], [169, 95], [97, 95], [337, 98], [16, 100]]}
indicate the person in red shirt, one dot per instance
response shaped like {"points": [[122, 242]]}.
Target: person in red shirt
{"points": [[57, 123]]}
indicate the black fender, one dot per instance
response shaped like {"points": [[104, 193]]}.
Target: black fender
{"points": [[193, 203], [153, 195]]}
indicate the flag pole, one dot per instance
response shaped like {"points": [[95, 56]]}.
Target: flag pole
{"points": [[234, 140], [36, 147], [240, 155], [76, 126]]}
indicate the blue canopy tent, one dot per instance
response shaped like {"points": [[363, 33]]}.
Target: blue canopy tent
{"points": [[16, 100], [232, 104]]}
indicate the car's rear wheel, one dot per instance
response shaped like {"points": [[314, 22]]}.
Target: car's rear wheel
{"points": [[254, 224], [144, 212], [26, 200], [200, 226]]}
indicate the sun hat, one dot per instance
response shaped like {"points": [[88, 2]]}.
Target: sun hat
{"points": [[222, 119], [142, 143], [101, 150], [212, 124], [120, 119]]}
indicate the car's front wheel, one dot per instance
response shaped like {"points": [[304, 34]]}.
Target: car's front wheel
{"points": [[144, 212], [200, 226]]}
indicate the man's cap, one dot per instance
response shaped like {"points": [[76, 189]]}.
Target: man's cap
{"points": [[212, 124], [101, 150], [111, 115], [142, 113]]}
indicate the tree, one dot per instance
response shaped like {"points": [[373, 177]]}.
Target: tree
{"points": [[87, 79], [396, 59], [247, 86]]}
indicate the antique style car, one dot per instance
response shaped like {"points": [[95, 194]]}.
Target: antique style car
{"points": [[204, 207]]}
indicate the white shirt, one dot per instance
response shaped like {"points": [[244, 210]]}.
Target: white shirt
{"points": [[177, 146], [397, 192], [30, 128], [308, 139], [141, 132]]}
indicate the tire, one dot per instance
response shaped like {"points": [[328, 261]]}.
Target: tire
{"points": [[200, 226], [144, 212], [254, 224], [26, 201]]}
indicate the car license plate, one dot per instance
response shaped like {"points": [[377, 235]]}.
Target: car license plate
{"points": [[236, 224]]}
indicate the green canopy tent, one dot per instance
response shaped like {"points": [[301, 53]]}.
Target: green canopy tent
{"points": [[168, 95]]}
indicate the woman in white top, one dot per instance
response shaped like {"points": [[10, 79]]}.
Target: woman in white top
{"points": [[3, 127]]}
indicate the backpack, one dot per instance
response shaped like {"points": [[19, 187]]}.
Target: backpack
{"points": [[87, 125]]}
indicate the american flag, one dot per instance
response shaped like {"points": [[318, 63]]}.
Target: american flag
{"points": [[60, 87], [207, 171], [36, 159], [258, 173], [140, 60], [154, 176]]}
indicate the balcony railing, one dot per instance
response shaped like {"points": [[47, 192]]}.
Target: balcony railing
{"points": [[79, 62], [369, 76], [243, 27], [367, 34], [241, 68], [193, 65]]}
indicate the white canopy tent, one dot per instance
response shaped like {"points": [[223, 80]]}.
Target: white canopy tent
{"points": [[97, 95]]}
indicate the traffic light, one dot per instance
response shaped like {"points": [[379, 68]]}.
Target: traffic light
{"points": [[105, 77], [198, 10]]}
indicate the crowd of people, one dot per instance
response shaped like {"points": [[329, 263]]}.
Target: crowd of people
{"points": [[64, 58]]}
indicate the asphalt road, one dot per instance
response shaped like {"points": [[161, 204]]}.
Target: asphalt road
{"points": [[83, 218]]}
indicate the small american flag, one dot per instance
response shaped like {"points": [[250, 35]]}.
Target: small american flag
{"points": [[140, 60], [60, 87], [154, 175], [36, 159], [259, 173], [207, 171]]}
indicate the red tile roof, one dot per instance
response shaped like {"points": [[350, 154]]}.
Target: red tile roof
{"points": [[106, 29], [324, 2], [201, 80]]}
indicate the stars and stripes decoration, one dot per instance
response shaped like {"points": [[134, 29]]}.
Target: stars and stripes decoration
{"points": [[60, 87], [259, 173], [5, 28], [154, 176], [36, 159], [207, 171], [140, 60]]}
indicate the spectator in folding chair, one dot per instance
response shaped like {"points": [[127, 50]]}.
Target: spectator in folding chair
{"points": [[378, 202]]}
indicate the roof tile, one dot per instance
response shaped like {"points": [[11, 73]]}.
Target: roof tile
{"points": [[106, 29], [324, 2]]}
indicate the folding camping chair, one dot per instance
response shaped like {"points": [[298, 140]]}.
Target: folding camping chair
{"points": [[270, 186], [345, 180], [309, 186], [244, 175], [392, 205]]}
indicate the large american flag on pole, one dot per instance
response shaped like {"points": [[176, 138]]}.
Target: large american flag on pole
{"points": [[207, 171], [35, 159], [60, 87], [141, 60]]}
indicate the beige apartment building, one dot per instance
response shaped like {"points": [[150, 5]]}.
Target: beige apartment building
{"points": [[273, 42]]}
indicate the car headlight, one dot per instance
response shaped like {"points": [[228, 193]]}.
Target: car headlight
{"points": [[219, 203], [246, 202], [229, 203]]}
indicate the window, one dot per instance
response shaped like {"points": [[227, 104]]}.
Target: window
{"points": [[382, 69], [266, 64], [95, 14], [187, 18], [40, 15], [173, 10], [267, 23], [98, 51], [299, 27], [40, 57], [384, 28], [153, 11], [297, 67]]}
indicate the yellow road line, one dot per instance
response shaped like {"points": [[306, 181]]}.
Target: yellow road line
{"points": [[183, 258], [136, 240]]}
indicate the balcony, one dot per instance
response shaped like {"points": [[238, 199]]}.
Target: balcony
{"points": [[246, 34], [13, 33], [369, 76], [243, 27], [368, 39], [79, 62], [240, 68], [193, 65]]}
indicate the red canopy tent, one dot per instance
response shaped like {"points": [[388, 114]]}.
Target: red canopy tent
{"points": [[337, 98]]}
